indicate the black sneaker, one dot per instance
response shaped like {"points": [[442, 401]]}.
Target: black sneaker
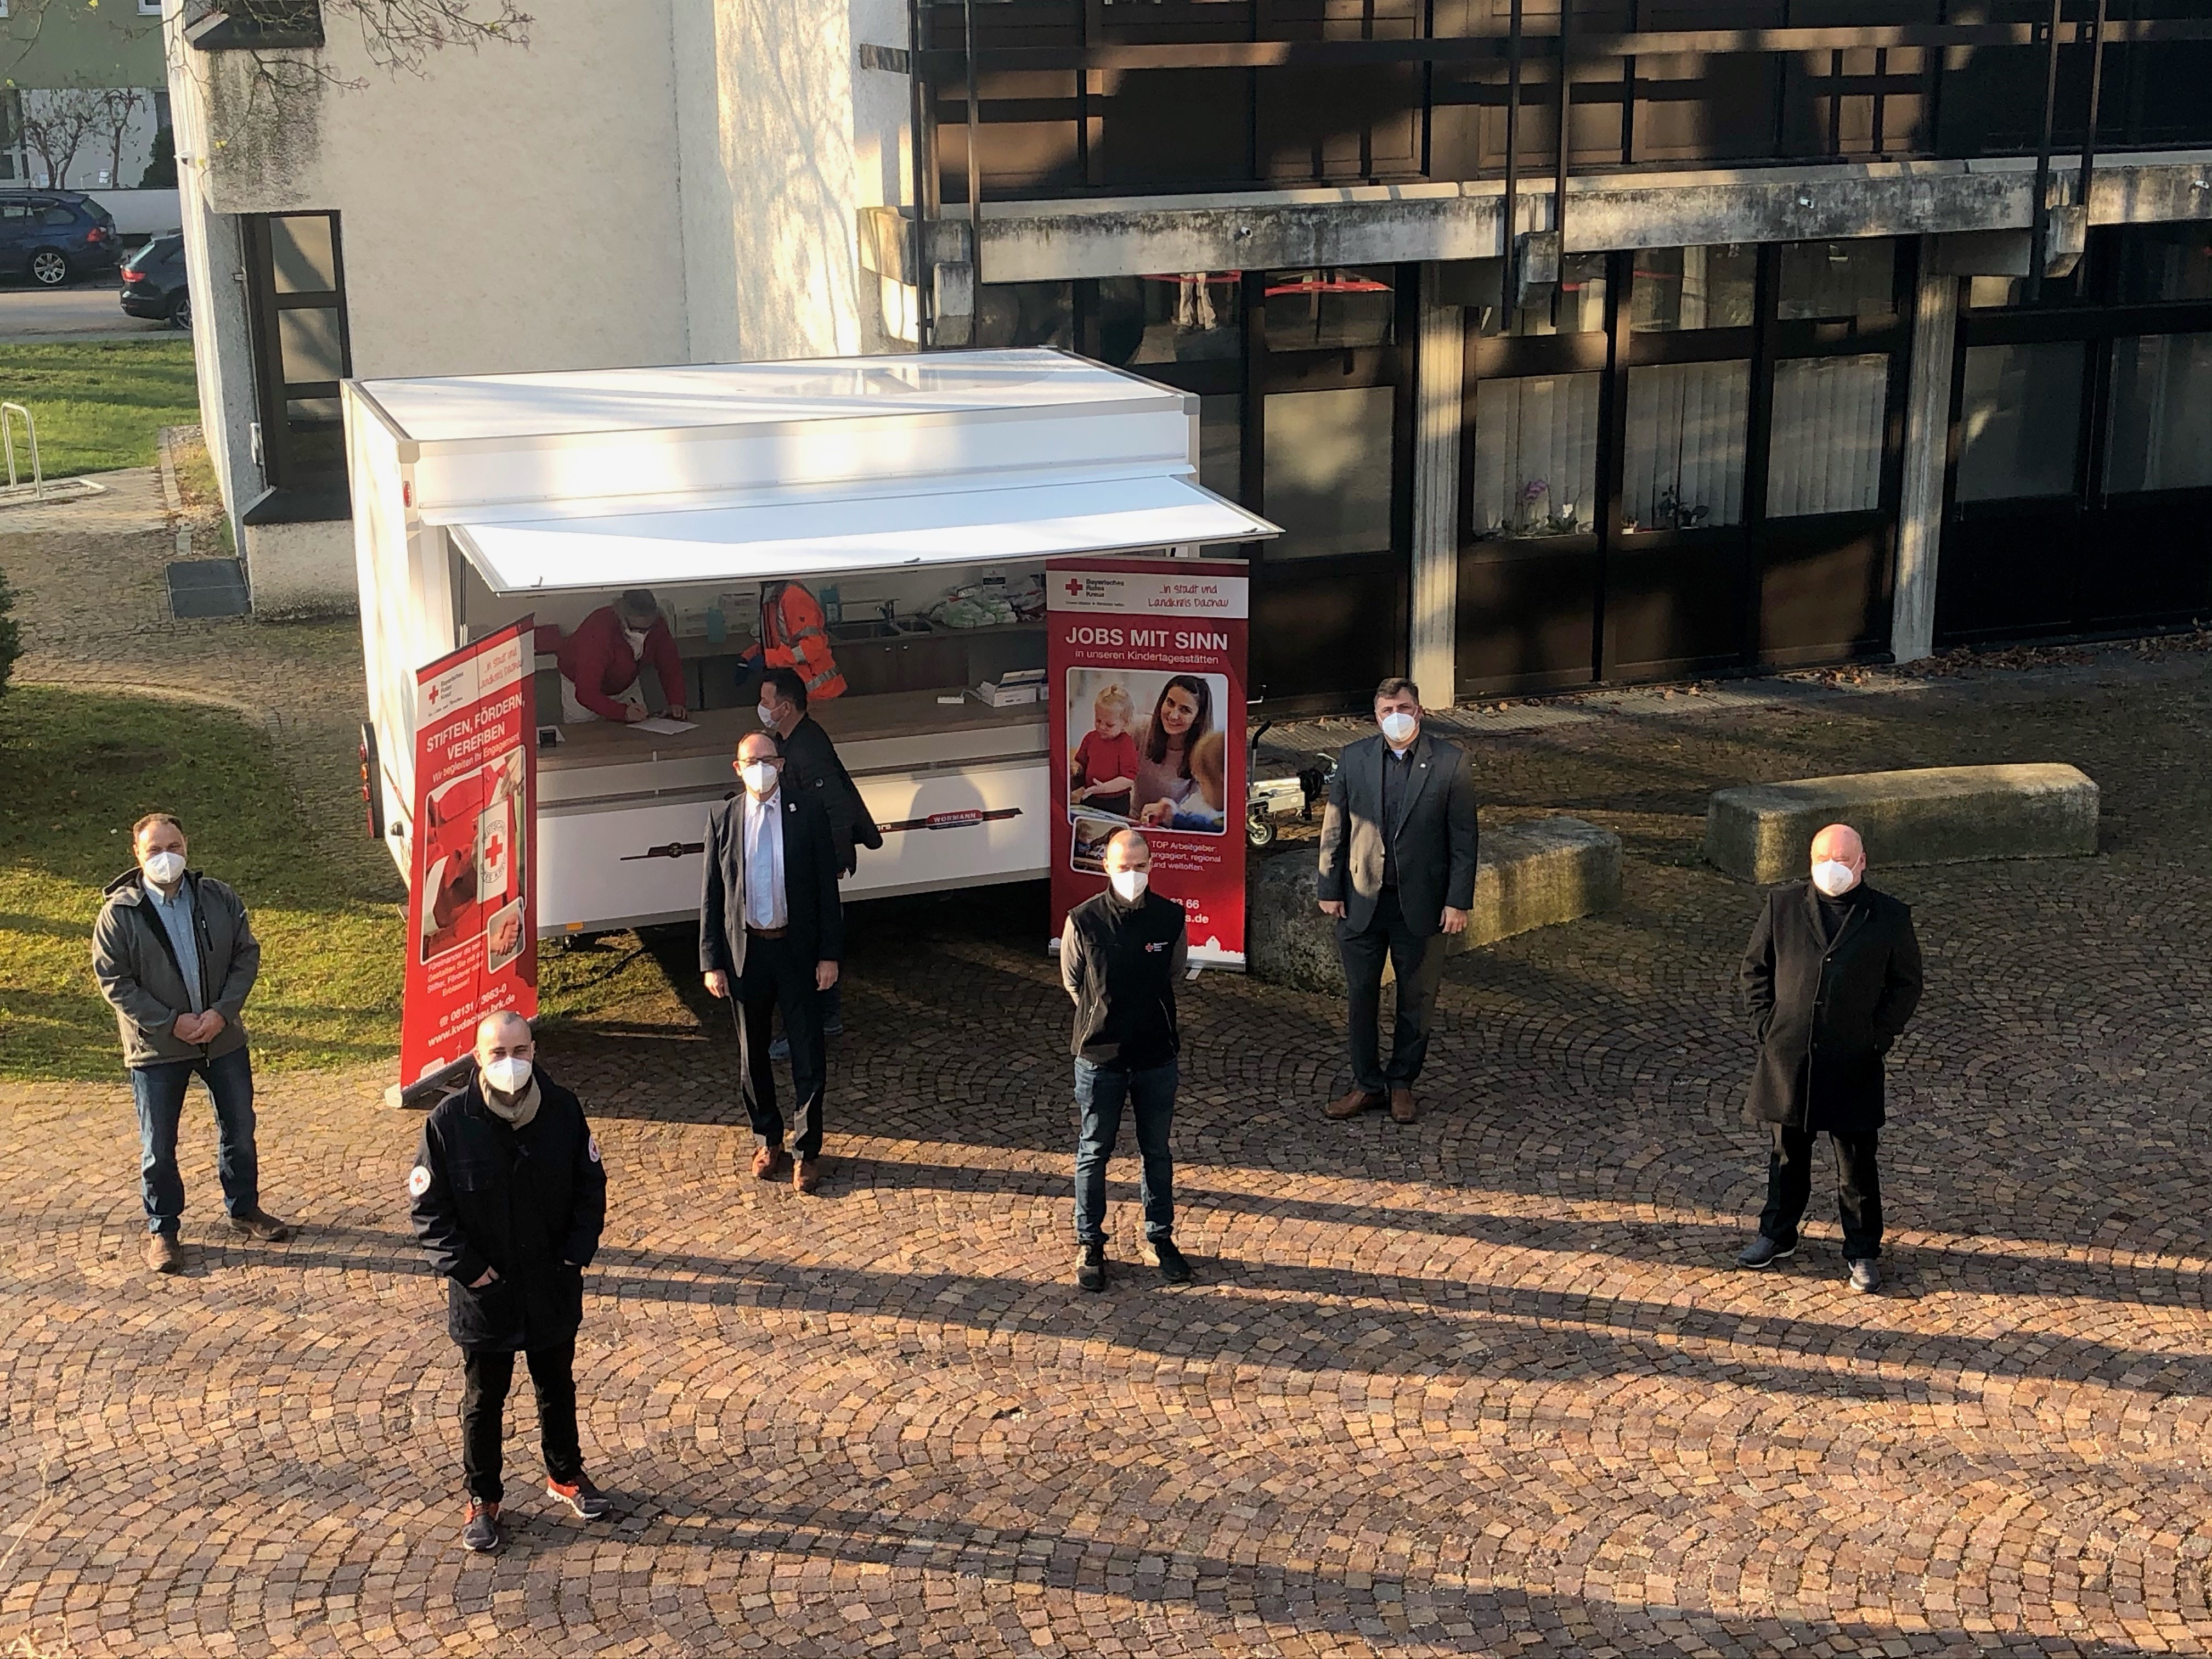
{"points": [[579, 1495], [1090, 1267], [1865, 1276], [482, 1535], [1169, 1260], [1764, 1252]]}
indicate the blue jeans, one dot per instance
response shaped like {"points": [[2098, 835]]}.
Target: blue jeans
{"points": [[1099, 1091], [159, 1089]]}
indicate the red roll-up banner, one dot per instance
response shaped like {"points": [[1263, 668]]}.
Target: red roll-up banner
{"points": [[1144, 694], [471, 925]]}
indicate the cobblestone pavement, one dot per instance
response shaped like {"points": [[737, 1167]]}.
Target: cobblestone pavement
{"points": [[1485, 1384]]}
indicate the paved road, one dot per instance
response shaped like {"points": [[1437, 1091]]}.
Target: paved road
{"points": [[89, 308], [1485, 1385]]}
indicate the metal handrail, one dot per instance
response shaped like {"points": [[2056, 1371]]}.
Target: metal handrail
{"points": [[7, 442]]}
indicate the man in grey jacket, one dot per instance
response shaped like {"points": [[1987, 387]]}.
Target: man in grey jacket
{"points": [[1397, 872], [174, 953]]}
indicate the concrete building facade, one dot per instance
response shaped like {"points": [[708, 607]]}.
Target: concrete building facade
{"points": [[1838, 331], [83, 91]]}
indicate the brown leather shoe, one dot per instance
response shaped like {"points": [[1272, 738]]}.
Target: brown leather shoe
{"points": [[1402, 1104], [257, 1223], [163, 1254], [806, 1175], [769, 1162], [1353, 1104]]}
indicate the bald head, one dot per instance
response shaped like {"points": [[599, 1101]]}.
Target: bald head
{"points": [[501, 1036], [1127, 850], [1838, 845], [757, 750]]}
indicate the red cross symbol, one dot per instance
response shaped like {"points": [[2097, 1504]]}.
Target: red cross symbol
{"points": [[1074, 587]]}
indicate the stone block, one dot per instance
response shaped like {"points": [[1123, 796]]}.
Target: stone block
{"points": [[1528, 875], [1761, 832]]}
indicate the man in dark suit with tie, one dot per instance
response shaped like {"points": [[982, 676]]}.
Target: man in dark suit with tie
{"points": [[772, 934], [1831, 976], [1397, 872]]}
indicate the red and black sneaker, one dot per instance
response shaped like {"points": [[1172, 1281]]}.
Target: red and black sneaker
{"points": [[480, 1534], [581, 1496]]}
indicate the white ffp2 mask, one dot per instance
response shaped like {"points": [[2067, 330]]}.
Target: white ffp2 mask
{"points": [[1399, 727], [510, 1074], [1128, 884], [759, 776], [767, 715], [1834, 878], [635, 636], [165, 867]]}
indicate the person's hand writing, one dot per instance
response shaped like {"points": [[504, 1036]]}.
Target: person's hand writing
{"points": [[718, 983], [1333, 907], [1455, 922], [632, 714], [825, 975], [482, 1279]]}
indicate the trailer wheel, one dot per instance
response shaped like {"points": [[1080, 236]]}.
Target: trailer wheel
{"points": [[1260, 828]]}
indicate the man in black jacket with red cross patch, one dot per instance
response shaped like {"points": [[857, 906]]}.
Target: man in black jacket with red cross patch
{"points": [[1831, 977], [509, 1196], [1121, 954]]}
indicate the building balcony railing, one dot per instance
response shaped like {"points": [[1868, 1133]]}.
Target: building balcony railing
{"points": [[1074, 98]]}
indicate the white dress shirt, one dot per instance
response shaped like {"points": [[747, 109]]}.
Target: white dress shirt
{"points": [[763, 830]]}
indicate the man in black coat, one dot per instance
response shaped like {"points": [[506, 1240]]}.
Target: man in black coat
{"points": [[509, 1196], [771, 934], [1397, 872], [811, 768], [1832, 976]]}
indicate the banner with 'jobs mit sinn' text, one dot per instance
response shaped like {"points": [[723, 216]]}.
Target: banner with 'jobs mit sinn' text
{"points": [[1144, 696], [471, 931]]}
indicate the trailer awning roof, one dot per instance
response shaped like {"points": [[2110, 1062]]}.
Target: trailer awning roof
{"points": [[749, 542]]}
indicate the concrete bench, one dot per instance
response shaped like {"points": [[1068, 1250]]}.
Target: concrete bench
{"points": [[1528, 875], [1762, 832]]}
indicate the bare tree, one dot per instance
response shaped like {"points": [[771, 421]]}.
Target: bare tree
{"points": [[117, 104], [56, 121], [398, 35]]}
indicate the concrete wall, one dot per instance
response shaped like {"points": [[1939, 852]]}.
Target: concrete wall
{"points": [[775, 163]]}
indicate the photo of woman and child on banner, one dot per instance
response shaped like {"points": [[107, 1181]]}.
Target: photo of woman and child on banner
{"points": [[1166, 768]]}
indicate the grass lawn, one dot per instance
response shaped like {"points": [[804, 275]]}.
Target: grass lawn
{"points": [[100, 405], [80, 769]]}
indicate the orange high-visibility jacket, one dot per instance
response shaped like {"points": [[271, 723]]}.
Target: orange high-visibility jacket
{"points": [[794, 634]]}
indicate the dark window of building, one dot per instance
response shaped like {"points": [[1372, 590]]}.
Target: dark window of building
{"points": [[1693, 287], [2163, 262], [1579, 308], [1026, 314], [295, 303], [2161, 415], [1855, 279], [1196, 316], [1535, 455], [2018, 420], [1329, 308]]}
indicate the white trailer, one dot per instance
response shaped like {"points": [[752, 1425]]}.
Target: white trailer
{"points": [[879, 482]]}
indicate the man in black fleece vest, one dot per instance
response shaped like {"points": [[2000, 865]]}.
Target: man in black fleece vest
{"points": [[1121, 954]]}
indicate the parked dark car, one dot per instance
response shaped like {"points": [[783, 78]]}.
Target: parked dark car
{"points": [[53, 235], [153, 282]]}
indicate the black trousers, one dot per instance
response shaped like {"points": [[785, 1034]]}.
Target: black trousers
{"points": [[1858, 1190], [776, 978], [1420, 961], [483, 1415]]}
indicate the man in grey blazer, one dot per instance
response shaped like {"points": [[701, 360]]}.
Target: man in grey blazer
{"points": [[1397, 872]]}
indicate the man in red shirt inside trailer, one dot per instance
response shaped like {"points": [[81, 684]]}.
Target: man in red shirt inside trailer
{"points": [[601, 661]]}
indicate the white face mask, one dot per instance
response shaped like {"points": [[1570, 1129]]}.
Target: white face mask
{"points": [[759, 776], [165, 867], [1129, 884], [767, 716], [636, 639], [1834, 878], [1399, 727], [510, 1074]]}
